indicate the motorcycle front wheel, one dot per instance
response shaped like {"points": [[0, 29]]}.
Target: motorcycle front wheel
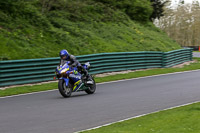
{"points": [[64, 90]]}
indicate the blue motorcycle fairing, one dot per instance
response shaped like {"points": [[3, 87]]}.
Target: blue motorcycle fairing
{"points": [[72, 73], [60, 68]]}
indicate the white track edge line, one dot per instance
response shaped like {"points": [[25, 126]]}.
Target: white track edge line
{"points": [[105, 83], [27, 94], [137, 116], [149, 76]]}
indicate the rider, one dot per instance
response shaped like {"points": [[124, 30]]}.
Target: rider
{"points": [[65, 56]]}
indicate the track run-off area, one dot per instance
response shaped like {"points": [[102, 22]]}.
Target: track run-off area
{"points": [[196, 54], [113, 101]]}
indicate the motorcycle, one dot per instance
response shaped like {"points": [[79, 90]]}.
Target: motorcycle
{"points": [[71, 80]]}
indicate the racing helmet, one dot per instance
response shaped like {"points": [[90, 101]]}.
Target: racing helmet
{"points": [[63, 53]]}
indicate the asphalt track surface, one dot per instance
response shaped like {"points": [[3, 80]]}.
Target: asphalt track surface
{"points": [[196, 54], [48, 112]]}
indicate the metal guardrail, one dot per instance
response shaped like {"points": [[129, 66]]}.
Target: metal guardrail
{"points": [[177, 57], [15, 72]]}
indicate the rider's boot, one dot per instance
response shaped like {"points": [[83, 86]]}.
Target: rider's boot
{"points": [[89, 80]]}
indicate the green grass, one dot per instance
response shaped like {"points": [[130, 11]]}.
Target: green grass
{"points": [[179, 120], [50, 86], [28, 89], [83, 27]]}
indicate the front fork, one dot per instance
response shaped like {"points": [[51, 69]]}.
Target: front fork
{"points": [[66, 81]]}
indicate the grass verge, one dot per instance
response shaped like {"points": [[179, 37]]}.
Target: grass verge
{"points": [[178, 120], [51, 86], [80, 26]]}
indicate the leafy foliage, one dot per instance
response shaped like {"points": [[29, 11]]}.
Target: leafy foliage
{"points": [[139, 10], [158, 9], [182, 23]]}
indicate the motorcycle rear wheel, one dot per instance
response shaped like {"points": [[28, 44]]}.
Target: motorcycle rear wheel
{"points": [[64, 90], [92, 88]]}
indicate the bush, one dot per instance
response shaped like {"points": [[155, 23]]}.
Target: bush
{"points": [[139, 10]]}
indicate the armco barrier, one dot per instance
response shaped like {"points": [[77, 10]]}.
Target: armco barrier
{"points": [[15, 72], [177, 57]]}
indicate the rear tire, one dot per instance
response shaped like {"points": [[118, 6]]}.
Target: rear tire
{"points": [[64, 90], [92, 88]]}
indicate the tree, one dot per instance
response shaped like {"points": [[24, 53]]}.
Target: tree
{"points": [[182, 23], [158, 9]]}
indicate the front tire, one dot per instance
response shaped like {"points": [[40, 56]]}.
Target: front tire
{"points": [[64, 90]]}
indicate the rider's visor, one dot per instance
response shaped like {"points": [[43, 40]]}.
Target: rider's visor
{"points": [[63, 57]]}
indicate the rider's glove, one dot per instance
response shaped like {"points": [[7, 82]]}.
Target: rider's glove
{"points": [[73, 65]]}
